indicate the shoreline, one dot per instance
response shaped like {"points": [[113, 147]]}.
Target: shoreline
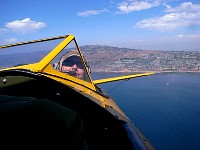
{"points": [[145, 71]]}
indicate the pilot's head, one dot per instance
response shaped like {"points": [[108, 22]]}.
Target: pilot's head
{"points": [[73, 65]]}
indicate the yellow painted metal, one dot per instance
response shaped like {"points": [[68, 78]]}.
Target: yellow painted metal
{"points": [[100, 81], [74, 82], [83, 87], [86, 88], [46, 60], [38, 67], [44, 65]]}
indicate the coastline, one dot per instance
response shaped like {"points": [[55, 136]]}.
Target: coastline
{"points": [[125, 71]]}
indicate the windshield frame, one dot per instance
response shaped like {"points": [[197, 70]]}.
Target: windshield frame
{"points": [[45, 61]]}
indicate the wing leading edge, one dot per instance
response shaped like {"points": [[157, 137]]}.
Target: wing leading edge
{"points": [[106, 80]]}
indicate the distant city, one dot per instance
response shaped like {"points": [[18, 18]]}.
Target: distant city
{"points": [[107, 58], [102, 58]]}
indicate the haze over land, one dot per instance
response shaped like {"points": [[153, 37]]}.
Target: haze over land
{"points": [[106, 58], [103, 58], [165, 34]]}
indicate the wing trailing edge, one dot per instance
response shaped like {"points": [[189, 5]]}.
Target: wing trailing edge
{"points": [[113, 79]]}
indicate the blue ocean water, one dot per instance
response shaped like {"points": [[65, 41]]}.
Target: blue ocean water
{"points": [[165, 107]]}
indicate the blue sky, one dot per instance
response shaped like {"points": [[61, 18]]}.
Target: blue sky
{"points": [[147, 24]]}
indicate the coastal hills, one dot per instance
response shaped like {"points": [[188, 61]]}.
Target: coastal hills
{"points": [[103, 58], [108, 58]]}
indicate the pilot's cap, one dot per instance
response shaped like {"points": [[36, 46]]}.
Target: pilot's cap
{"points": [[67, 55]]}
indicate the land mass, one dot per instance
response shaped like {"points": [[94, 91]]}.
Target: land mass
{"points": [[107, 58], [103, 58]]}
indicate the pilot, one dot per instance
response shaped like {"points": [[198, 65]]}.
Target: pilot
{"points": [[71, 64]]}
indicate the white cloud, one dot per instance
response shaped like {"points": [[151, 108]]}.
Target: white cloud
{"points": [[24, 26], [130, 6], [184, 15], [185, 7], [11, 40], [92, 12], [194, 36]]}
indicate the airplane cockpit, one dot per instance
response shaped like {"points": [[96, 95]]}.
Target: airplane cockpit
{"points": [[70, 61]]}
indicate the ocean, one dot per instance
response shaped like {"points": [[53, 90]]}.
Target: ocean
{"points": [[165, 107]]}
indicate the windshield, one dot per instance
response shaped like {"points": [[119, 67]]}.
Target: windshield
{"points": [[26, 54], [67, 61]]}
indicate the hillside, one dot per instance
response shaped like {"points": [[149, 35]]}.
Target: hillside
{"points": [[107, 58]]}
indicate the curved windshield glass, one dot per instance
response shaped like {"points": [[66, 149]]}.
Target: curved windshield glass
{"points": [[67, 61], [26, 53]]}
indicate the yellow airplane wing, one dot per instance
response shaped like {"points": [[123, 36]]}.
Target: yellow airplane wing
{"points": [[106, 80]]}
